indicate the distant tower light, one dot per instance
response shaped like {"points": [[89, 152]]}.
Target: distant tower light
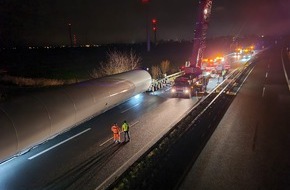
{"points": [[154, 24], [145, 1], [154, 28]]}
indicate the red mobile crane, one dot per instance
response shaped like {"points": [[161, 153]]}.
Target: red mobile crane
{"points": [[200, 31], [193, 80]]}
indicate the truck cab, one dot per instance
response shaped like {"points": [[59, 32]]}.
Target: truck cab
{"points": [[184, 86]]}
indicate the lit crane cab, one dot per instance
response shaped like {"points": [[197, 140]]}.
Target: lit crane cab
{"points": [[244, 53], [212, 66], [219, 60], [247, 53], [221, 65], [237, 53], [213, 61], [207, 65]]}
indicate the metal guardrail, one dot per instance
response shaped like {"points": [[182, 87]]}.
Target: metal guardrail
{"points": [[168, 80]]}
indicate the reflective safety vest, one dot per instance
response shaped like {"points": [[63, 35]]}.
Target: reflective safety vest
{"points": [[125, 127], [115, 129]]}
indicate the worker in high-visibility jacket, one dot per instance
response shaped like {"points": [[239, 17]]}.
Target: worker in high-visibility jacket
{"points": [[224, 72], [116, 133], [125, 129]]}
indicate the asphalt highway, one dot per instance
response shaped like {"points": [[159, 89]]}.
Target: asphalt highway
{"points": [[80, 157], [250, 147], [86, 157]]}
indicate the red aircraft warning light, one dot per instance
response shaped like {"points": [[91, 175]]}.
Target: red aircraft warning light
{"points": [[154, 24], [145, 1]]}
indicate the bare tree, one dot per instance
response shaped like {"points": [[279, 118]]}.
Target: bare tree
{"points": [[117, 62], [155, 72], [165, 66]]}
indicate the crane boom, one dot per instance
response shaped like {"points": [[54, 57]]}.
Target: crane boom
{"points": [[201, 26], [193, 70]]}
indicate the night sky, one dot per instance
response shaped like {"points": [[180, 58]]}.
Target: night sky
{"points": [[45, 22]]}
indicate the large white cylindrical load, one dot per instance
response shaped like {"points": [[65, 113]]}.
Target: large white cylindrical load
{"points": [[36, 117]]}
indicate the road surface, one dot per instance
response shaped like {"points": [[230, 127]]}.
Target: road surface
{"points": [[250, 147], [86, 155]]}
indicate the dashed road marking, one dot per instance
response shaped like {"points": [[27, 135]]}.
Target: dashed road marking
{"points": [[130, 108], [36, 155], [3, 163], [263, 93]]}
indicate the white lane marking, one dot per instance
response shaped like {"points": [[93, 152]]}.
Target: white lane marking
{"points": [[7, 161], [121, 132], [32, 157], [263, 94], [266, 74], [129, 160], [106, 141], [130, 108], [285, 72]]}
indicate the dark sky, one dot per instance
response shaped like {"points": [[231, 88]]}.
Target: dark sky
{"points": [[44, 22]]}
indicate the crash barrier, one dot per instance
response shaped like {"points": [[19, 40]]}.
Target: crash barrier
{"points": [[166, 81], [286, 59]]}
